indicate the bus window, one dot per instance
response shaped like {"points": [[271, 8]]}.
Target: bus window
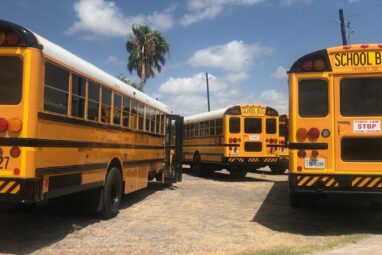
{"points": [[207, 126], [212, 127], [361, 97], [219, 126], [234, 125], [152, 122], [117, 109], [56, 89], [282, 128], [196, 129], [11, 72], [134, 114], [270, 126], [93, 101], [78, 96], [202, 129], [126, 112], [313, 98], [147, 118], [141, 115], [105, 105], [253, 125], [157, 122]]}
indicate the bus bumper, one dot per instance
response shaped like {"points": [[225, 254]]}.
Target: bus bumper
{"points": [[338, 185], [19, 190]]}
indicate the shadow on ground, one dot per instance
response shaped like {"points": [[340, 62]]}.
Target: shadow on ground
{"points": [[24, 230], [329, 217], [223, 176]]}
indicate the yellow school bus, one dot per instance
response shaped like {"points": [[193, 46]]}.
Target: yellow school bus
{"points": [[284, 151], [66, 126], [335, 135], [237, 138]]}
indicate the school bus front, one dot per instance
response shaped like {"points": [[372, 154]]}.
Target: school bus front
{"points": [[335, 122]]}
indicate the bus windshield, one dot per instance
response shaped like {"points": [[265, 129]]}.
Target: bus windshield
{"points": [[10, 80]]}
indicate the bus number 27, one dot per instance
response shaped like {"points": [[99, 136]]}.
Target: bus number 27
{"points": [[4, 162]]}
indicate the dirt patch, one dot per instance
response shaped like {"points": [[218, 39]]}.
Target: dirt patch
{"points": [[214, 215]]}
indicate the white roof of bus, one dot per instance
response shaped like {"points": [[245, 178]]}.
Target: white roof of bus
{"points": [[60, 54], [215, 114]]}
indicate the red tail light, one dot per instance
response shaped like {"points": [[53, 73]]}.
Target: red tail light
{"points": [[3, 125], [314, 154], [314, 133], [234, 140], [301, 154], [299, 168], [230, 140], [307, 65], [12, 38], [15, 152], [16, 171], [301, 133]]}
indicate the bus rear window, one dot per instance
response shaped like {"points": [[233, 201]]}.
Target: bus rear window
{"points": [[282, 129], [313, 98], [271, 126], [252, 125], [11, 69], [234, 125], [361, 97]]}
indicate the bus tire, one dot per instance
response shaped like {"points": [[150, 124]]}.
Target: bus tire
{"points": [[111, 194], [277, 169], [196, 166], [238, 173]]}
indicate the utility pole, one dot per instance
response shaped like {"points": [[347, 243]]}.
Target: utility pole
{"points": [[343, 30], [208, 93]]}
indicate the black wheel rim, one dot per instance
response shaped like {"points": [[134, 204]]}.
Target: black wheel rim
{"points": [[115, 196]]}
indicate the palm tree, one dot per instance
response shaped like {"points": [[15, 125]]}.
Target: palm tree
{"points": [[131, 83], [147, 51]]}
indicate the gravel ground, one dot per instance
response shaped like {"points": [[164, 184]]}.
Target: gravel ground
{"points": [[215, 215]]}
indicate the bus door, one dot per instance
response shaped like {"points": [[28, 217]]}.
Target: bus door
{"points": [[173, 149], [358, 118]]}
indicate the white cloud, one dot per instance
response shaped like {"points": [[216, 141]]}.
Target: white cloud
{"points": [[288, 3], [113, 60], [187, 95], [208, 9], [280, 73], [234, 56], [101, 18]]}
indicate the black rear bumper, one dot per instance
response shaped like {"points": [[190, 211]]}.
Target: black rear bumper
{"points": [[336, 184], [19, 190]]}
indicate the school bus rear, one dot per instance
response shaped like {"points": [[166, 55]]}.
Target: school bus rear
{"points": [[18, 118], [335, 122], [251, 129]]}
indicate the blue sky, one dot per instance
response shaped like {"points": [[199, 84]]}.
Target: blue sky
{"points": [[245, 45]]}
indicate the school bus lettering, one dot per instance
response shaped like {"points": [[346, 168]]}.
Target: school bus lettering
{"points": [[354, 59], [252, 110]]}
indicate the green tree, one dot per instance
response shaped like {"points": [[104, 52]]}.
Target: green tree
{"points": [[147, 49], [124, 78]]}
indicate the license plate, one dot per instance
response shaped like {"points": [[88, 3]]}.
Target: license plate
{"points": [[314, 163], [4, 161]]}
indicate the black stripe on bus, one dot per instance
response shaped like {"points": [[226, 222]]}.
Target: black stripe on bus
{"points": [[128, 163], [63, 119], [35, 142], [211, 145], [72, 189], [69, 169], [313, 146]]}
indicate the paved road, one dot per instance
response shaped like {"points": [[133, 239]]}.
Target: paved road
{"points": [[214, 215], [370, 246]]}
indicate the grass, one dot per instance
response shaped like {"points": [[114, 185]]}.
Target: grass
{"points": [[308, 249]]}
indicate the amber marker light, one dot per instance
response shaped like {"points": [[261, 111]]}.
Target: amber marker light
{"points": [[15, 125], [301, 133]]}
